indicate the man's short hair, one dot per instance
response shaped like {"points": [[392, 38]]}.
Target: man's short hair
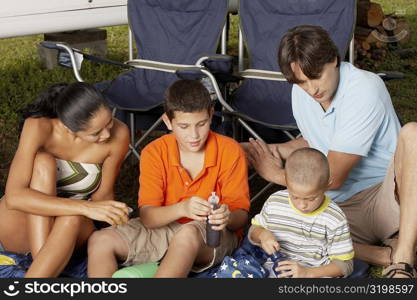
{"points": [[309, 46], [309, 167], [187, 96]]}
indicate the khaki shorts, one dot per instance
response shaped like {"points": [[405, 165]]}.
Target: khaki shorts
{"points": [[374, 214], [150, 245]]}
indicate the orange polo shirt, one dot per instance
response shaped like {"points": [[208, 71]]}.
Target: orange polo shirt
{"points": [[163, 181]]}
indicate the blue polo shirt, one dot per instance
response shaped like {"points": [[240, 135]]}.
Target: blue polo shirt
{"points": [[360, 120]]}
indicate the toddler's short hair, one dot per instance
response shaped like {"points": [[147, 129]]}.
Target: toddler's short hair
{"points": [[307, 166]]}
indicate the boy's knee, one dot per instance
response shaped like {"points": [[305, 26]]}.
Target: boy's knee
{"points": [[189, 235], [101, 239]]}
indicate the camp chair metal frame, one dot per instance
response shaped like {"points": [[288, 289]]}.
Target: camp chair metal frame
{"points": [[73, 56], [267, 75]]}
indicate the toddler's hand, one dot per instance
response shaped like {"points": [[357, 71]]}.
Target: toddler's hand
{"points": [[292, 269], [268, 242]]}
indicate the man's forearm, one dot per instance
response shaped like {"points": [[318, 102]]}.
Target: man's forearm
{"points": [[329, 270], [278, 177], [285, 149]]}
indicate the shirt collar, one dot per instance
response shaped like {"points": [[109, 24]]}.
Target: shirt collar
{"points": [[210, 153], [319, 210], [340, 89]]}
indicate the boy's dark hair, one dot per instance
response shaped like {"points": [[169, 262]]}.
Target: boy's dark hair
{"points": [[74, 104], [311, 47], [187, 96]]}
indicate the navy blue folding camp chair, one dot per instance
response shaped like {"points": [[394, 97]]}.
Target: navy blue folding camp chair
{"points": [[262, 103], [264, 97], [173, 39]]}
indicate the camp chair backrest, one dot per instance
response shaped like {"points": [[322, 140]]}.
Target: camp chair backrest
{"points": [[179, 31], [264, 22]]}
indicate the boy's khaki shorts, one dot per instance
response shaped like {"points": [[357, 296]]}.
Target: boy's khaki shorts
{"points": [[374, 214], [150, 245]]}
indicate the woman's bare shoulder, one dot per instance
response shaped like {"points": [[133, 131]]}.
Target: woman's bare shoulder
{"points": [[35, 134], [39, 123], [37, 126], [121, 131], [119, 142]]}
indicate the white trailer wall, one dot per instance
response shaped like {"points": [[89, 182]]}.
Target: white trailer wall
{"points": [[27, 17]]}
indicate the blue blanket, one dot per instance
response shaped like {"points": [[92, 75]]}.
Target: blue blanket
{"points": [[14, 265], [248, 261], [245, 262]]}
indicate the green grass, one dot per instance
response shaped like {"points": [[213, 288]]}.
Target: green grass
{"points": [[403, 92]]}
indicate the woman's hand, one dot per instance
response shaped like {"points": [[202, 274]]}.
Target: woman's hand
{"points": [[112, 212]]}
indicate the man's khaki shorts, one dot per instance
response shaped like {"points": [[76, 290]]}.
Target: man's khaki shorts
{"points": [[150, 245], [374, 214]]}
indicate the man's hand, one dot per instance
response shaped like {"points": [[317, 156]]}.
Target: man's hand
{"points": [[292, 269], [196, 208], [220, 217], [268, 242], [265, 160]]}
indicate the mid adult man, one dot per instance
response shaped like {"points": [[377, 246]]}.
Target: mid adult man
{"points": [[347, 114]]}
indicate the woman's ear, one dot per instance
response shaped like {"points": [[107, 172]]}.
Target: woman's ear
{"points": [[167, 121]]}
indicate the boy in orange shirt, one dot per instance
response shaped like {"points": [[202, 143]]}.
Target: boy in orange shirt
{"points": [[178, 172]]}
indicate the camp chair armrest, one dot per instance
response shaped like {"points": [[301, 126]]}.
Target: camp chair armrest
{"points": [[268, 125], [72, 58], [217, 63], [161, 66], [66, 56], [262, 74], [390, 75], [218, 57], [61, 46], [54, 45]]}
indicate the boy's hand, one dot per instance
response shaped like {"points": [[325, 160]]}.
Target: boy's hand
{"points": [[268, 242], [220, 217], [196, 208], [292, 269]]}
